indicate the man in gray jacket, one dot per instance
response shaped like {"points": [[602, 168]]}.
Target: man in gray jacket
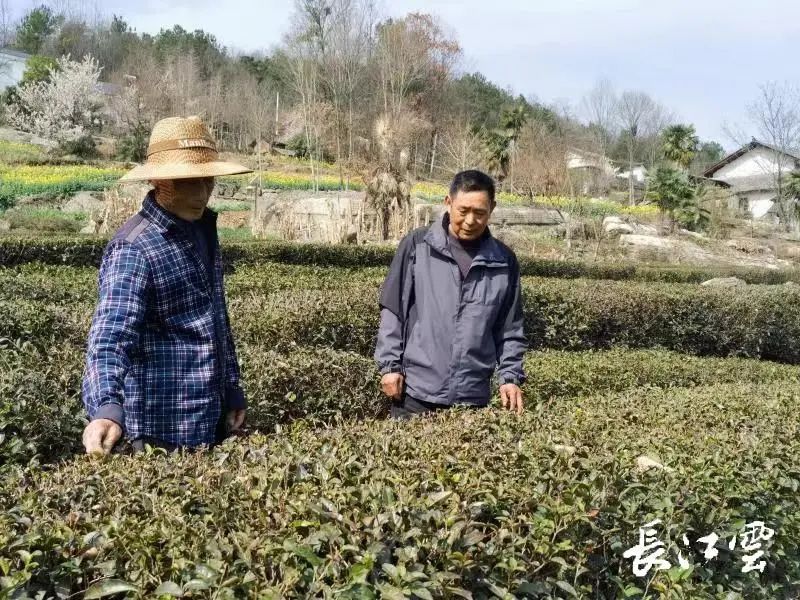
{"points": [[451, 310]]}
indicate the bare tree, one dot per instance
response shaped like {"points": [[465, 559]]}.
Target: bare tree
{"points": [[541, 168], [599, 108], [639, 118], [462, 147], [306, 44], [775, 114], [342, 30], [5, 25]]}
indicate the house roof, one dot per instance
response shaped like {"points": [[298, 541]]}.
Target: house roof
{"points": [[16, 53], [709, 172], [754, 183]]}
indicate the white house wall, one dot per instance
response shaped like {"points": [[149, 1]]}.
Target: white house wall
{"points": [[759, 161], [11, 70], [760, 203]]}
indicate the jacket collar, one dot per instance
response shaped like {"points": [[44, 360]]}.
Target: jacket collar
{"points": [[165, 220], [489, 251]]}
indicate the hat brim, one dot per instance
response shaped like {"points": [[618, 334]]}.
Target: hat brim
{"points": [[183, 171]]}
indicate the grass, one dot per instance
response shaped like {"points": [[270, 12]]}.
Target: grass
{"points": [[19, 152], [234, 235], [221, 206], [45, 219]]}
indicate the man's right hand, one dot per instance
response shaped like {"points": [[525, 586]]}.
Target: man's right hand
{"points": [[100, 436], [392, 385]]}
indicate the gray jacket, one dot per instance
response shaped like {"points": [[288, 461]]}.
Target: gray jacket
{"points": [[445, 336]]}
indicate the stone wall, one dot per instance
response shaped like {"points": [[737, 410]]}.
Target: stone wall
{"points": [[337, 217]]}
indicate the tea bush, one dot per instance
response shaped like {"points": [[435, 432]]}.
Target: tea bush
{"points": [[41, 416], [88, 251], [464, 505], [281, 306]]}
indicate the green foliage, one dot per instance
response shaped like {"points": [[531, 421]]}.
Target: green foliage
{"points": [[38, 68], [281, 307], [500, 142], [88, 251], [791, 185], [45, 220], [480, 100], [679, 144], [204, 46], [467, 504], [708, 154], [676, 196], [14, 153], [83, 147], [133, 146], [34, 28]]}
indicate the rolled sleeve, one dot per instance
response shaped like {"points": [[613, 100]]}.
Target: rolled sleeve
{"points": [[115, 331]]}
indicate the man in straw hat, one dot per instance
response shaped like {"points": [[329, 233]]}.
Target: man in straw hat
{"points": [[161, 363]]}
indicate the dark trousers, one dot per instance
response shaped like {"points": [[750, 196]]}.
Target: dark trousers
{"points": [[410, 407]]}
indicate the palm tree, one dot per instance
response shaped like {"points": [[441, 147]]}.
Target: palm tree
{"points": [[500, 142], [791, 190], [671, 191], [680, 144]]}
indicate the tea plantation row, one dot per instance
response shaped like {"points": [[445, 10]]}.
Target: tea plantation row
{"points": [[84, 252], [466, 505], [41, 416], [282, 306]]}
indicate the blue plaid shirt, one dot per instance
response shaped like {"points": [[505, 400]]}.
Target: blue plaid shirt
{"points": [[161, 360]]}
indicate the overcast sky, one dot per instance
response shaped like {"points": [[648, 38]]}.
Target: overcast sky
{"points": [[703, 59]]}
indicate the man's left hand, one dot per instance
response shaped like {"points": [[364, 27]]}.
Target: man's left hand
{"points": [[236, 419], [511, 397]]}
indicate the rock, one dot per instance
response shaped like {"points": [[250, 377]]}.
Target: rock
{"points": [[5, 226], [692, 234], [724, 282], [748, 246], [642, 229], [790, 251], [85, 202], [645, 463], [616, 226], [649, 241]]}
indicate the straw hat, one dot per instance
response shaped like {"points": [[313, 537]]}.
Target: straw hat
{"points": [[182, 149]]}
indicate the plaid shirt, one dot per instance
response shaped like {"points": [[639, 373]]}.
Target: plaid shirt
{"points": [[161, 360]]}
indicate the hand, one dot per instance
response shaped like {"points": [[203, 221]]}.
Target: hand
{"points": [[100, 436], [392, 385], [511, 397], [235, 419]]}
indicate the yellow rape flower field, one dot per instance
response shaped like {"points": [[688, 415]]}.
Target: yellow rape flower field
{"points": [[18, 180]]}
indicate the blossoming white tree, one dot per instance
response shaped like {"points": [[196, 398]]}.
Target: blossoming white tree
{"points": [[62, 107]]}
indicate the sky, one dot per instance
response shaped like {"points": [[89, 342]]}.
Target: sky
{"points": [[703, 59]]}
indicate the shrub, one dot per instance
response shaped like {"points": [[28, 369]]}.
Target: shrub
{"points": [[468, 504], [322, 385], [45, 219], [82, 147], [133, 146], [87, 252], [281, 307]]}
